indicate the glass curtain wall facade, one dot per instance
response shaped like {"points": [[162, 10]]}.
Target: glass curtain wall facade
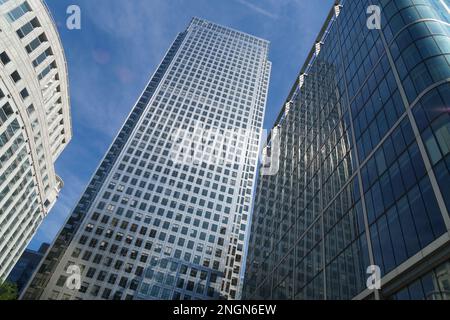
{"points": [[149, 226], [364, 173]]}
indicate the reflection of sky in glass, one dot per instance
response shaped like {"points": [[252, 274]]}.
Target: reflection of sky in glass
{"points": [[165, 273]]}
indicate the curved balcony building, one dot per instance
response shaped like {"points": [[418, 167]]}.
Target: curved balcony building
{"points": [[35, 124]]}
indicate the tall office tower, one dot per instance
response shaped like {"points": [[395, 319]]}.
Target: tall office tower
{"points": [[158, 223], [364, 176], [35, 123]]}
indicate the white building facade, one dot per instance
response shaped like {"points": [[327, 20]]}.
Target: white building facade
{"points": [[35, 124]]}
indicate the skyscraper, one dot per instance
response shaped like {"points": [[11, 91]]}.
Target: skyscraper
{"points": [[364, 177], [162, 219], [35, 123]]}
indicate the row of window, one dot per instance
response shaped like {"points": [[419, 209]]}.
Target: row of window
{"points": [[435, 285]]}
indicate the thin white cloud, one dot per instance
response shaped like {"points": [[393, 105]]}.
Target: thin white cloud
{"points": [[140, 28], [258, 9]]}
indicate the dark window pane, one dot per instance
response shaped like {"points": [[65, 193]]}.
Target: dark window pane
{"points": [[409, 230]]}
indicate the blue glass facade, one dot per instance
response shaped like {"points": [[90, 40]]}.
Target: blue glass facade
{"points": [[365, 163]]}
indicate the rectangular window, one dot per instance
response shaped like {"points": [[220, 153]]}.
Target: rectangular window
{"points": [[46, 71], [16, 76], [24, 93], [18, 12], [33, 45], [5, 112], [4, 58], [27, 28]]}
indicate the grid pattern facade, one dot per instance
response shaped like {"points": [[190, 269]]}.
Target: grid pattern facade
{"points": [[34, 123], [364, 166], [149, 227]]}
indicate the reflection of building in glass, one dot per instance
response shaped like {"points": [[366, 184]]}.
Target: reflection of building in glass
{"points": [[35, 124], [365, 163], [148, 226], [26, 266], [167, 275], [434, 285]]}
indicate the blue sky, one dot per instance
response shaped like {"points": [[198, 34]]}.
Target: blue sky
{"points": [[120, 44]]}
